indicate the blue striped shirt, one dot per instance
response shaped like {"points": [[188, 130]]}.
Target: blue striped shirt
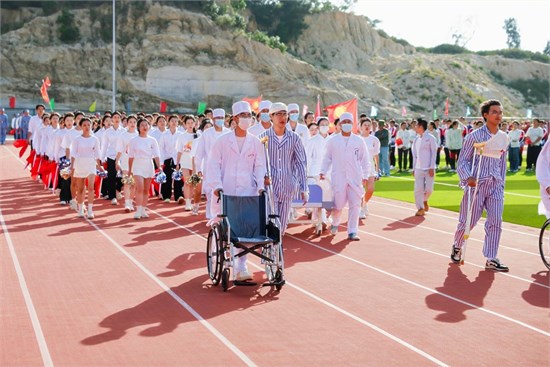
{"points": [[490, 167], [287, 163]]}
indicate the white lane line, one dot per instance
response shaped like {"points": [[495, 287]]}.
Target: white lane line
{"points": [[430, 290], [457, 187], [450, 233], [326, 303], [43, 346], [242, 356], [481, 220]]}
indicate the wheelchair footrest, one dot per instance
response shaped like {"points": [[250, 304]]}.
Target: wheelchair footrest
{"points": [[274, 284], [246, 284]]}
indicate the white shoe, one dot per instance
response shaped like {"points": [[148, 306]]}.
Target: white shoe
{"points": [[188, 207], [196, 209], [144, 213], [243, 276], [362, 215], [114, 201], [73, 205], [137, 214], [90, 214], [62, 202], [81, 212]]}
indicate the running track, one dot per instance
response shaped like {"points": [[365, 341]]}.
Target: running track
{"points": [[120, 292]]}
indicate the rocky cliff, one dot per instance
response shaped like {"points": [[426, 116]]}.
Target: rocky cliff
{"points": [[183, 57]]}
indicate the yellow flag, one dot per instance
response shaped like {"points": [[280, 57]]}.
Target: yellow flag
{"points": [[92, 107]]}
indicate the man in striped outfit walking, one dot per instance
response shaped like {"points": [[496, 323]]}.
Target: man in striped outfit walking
{"points": [[490, 192], [287, 158]]}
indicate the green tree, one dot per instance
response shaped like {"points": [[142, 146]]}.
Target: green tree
{"points": [[67, 30], [511, 28], [547, 49]]}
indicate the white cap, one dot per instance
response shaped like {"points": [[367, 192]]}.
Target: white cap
{"points": [[293, 106], [218, 112], [264, 104], [277, 107], [346, 116], [319, 118], [240, 107]]}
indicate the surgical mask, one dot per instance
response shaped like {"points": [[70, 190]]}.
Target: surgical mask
{"points": [[323, 129], [264, 116], [346, 128], [219, 122], [245, 122], [294, 116]]}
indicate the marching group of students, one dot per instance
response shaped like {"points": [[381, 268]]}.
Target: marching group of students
{"points": [[187, 158]]}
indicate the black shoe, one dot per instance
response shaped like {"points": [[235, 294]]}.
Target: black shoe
{"points": [[456, 254], [495, 265]]}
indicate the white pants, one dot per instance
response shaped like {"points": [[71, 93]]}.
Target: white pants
{"points": [[351, 195], [423, 187]]}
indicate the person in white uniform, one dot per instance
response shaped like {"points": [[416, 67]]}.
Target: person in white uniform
{"points": [[542, 167], [121, 159], [142, 151], [85, 153], [294, 125], [348, 160], [72, 133], [202, 154], [168, 156], [264, 121], [108, 154], [184, 161], [373, 146], [424, 149], [237, 166]]}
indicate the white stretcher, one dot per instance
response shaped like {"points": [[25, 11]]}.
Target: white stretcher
{"points": [[320, 200]]}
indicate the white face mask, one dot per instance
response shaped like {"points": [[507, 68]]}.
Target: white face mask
{"points": [[294, 116], [245, 122], [219, 122], [346, 128], [323, 129]]}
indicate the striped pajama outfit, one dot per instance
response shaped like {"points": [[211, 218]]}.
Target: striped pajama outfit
{"points": [[490, 192], [287, 158]]}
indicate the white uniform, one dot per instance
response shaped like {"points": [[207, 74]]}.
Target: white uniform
{"points": [[34, 124], [68, 139], [373, 146], [108, 143], [349, 162], [143, 150], [315, 151], [424, 151], [58, 150], [185, 144], [167, 145], [85, 152], [122, 147], [301, 130], [543, 176], [257, 129]]}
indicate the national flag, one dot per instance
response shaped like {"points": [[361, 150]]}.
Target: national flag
{"points": [[403, 111], [254, 103], [163, 106], [12, 102], [318, 111], [468, 113], [373, 111], [435, 114], [529, 113], [52, 104], [447, 107], [336, 110], [201, 107], [92, 107], [44, 90]]}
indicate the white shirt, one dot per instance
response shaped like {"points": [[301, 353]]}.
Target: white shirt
{"points": [[301, 130], [514, 136], [82, 147], [185, 145], [108, 144], [146, 148], [424, 151], [34, 123], [68, 139], [534, 133], [58, 150], [257, 129], [123, 140], [204, 147], [315, 151], [157, 133], [404, 135], [167, 145]]}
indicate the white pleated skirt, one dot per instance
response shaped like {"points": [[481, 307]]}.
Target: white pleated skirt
{"points": [[83, 167], [143, 167]]}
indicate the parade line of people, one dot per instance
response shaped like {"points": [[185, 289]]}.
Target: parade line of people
{"points": [[128, 159]]}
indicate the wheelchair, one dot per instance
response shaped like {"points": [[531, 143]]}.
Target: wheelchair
{"points": [[245, 225]]}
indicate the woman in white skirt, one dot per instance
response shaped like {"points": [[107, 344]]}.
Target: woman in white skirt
{"points": [[142, 150], [85, 153], [121, 159], [373, 146], [184, 162]]}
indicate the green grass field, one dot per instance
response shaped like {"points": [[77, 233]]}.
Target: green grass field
{"points": [[521, 194]]}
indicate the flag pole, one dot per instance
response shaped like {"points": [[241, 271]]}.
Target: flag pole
{"points": [[113, 102]]}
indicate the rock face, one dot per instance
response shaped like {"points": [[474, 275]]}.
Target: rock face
{"points": [[183, 58]]}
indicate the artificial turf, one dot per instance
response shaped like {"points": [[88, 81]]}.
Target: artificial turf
{"points": [[521, 194]]}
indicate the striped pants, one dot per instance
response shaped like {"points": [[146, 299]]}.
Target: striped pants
{"points": [[282, 208], [490, 196]]}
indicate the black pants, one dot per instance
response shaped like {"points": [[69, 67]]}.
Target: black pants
{"points": [[447, 156], [166, 188], [392, 155], [112, 183], [438, 156], [410, 159], [402, 158], [533, 152], [454, 157], [65, 193]]}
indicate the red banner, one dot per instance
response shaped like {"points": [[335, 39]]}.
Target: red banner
{"points": [[44, 90], [12, 102], [254, 103], [338, 109]]}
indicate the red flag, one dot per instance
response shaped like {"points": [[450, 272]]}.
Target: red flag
{"points": [[318, 108], [403, 111], [254, 103], [336, 110], [305, 109], [163, 107], [447, 107], [97, 186], [23, 144], [12, 102], [44, 90]]}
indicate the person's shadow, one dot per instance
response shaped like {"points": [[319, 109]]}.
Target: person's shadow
{"points": [[457, 287], [537, 295], [162, 313], [405, 223]]}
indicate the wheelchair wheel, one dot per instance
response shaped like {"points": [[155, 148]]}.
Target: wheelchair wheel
{"points": [[214, 254], [544, 243], [225, 279]]}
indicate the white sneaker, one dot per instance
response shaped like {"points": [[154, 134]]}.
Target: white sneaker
{"points": [[144, 213], [333, 230], [114, 201], [73, 205], [243, 276], [137, 214], [62, 202], [196, 209], [81, 212], [90, 214], [188, 207]]}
